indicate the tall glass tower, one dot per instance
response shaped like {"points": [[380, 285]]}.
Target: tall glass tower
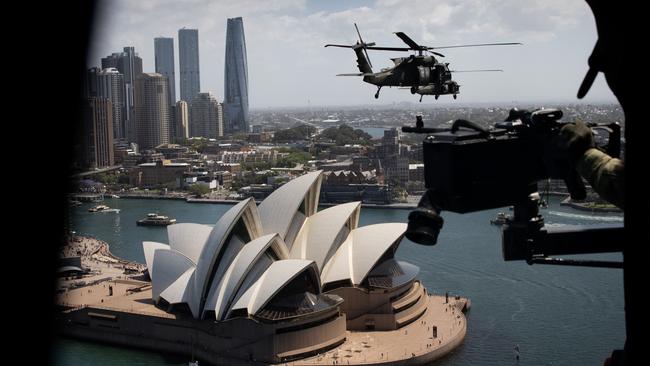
{"points": [[188, 57], [236, 78], [164, 57]]}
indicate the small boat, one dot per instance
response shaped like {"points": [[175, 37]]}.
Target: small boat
{"points": [[501, 219], [153, 219], [98, 208]]}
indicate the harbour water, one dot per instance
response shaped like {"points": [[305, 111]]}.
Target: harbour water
{"points": [[556, 315]]}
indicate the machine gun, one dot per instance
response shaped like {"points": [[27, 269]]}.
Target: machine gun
{"points": [[470, 168]]}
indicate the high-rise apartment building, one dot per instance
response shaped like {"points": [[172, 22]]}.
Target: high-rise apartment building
{"points": [[188, 56], [206, 116], [182, 120], [164, 59], [152, 110], [109, 83], [236, 78], [97, 134], [129, 64]]}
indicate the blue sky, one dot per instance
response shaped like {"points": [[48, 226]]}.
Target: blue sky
{"points": [[288, 65]]}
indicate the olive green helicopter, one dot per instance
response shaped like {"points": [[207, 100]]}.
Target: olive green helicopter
{"points": [[422, 73]]}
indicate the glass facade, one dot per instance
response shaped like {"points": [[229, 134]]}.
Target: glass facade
{"points": [[236, 78], [164, 54], [188, 57]]}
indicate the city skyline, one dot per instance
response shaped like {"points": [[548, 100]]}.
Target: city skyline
{"points": [[288, 65]]}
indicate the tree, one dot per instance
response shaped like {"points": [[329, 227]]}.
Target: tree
{"points": [[295, 157], [345, 134], [298, 133], [199, 190], [107, 179]]}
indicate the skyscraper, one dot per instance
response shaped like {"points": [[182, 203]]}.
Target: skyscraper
{"points": [[152, 110], [97, 134], [164, 58], [206, 116], [188, 56], [236, 78], [182, 120], [109, 83], [129, 64]]}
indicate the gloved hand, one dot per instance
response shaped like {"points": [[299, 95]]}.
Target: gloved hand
{"points": [[575, 138]]}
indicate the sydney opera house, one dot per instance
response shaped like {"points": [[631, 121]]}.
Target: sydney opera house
{"points": [[282, 281]]}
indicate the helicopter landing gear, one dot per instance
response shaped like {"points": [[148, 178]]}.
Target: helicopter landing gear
{"points": [[377, 93], [437, 96], [421, 95], [454, 96]]}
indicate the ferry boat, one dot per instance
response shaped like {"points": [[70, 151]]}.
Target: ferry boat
{"points": [[153, 219], [501, 219], [98, 208]]}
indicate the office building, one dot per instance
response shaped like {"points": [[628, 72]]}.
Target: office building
{"points": [[97, 134], [188, 57], [152, 110], [129, 64], [236, 78], [164, 59], [206, 116], [182, 120]]}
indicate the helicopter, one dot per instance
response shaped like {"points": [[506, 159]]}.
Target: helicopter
{"points": [[422, 73]]}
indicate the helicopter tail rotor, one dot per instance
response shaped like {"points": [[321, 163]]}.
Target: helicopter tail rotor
{"points": [[364, 45]]}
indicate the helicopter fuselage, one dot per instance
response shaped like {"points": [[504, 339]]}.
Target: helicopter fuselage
{"points": [[411, 71]]}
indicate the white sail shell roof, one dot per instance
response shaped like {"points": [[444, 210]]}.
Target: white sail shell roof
{"points": [[278, 275], [245, 261], [168, 266], [318, 238], [181, 291], [149, 247], [359, 254], [188, 238], [277, 211], [246, 210]]}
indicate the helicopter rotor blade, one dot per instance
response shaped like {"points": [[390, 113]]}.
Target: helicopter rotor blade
{"points": [[363, 45], [475, 70], [408, 41], [339, 45], [389, 48], [367, 57], [436, 53], [359, 33], [477, 45]]}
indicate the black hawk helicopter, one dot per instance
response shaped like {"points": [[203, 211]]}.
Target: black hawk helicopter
{"points": [[422, 73]]}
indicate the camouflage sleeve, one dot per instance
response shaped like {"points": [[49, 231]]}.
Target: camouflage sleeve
{"points": [[605, 174]]}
